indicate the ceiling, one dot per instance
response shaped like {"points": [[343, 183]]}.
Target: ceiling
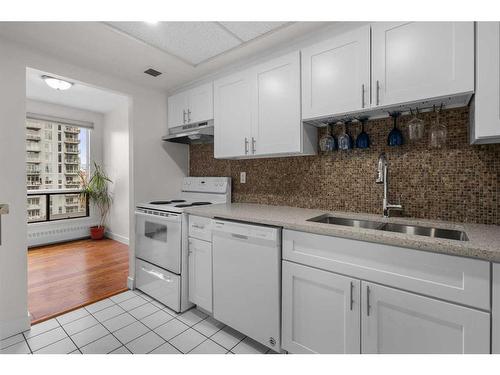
{"points": [[79, 96], [196, 42], [101, 46]]}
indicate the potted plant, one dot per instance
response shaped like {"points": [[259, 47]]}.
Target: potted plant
{"points": [[96, 190]]}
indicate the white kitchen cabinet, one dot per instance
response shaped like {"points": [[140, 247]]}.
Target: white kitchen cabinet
{"points": [[191, 106], [414, 61], [257, 112], [485, 110], [336, 75], [277, 125], [201, 103], [233, 115], [200, 273], [495, 311], [455, 279], [394, 321], [321, 311], [177, 106]]}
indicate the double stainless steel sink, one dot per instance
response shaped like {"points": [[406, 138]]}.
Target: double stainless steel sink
{"points": [[449, 234]]}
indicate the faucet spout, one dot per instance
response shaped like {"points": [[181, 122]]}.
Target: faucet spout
{"points": [[383, 178]]}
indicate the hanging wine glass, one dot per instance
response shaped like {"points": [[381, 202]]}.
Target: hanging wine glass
{"points": [[416, 126], [438, 132], [327, 143]]}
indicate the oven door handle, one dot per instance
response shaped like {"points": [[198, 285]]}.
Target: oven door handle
{"points": [[170, 218], [158, 275]]}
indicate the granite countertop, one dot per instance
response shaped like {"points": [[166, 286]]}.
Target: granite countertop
{"points": [[483, 243]]}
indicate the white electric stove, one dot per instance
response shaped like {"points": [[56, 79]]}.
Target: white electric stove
{"points": [[161, 239]]}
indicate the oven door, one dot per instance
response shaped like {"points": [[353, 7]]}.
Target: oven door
{"points": [[158, 240]]}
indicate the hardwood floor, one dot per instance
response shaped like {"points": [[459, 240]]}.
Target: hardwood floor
{"points": [[66, 276]]}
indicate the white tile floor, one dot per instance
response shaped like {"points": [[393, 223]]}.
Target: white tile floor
{"points": [[131, 322]]}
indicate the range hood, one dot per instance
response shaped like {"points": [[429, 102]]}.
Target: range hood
{"points": [[202, 132]]}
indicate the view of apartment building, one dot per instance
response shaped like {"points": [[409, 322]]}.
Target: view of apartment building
{"points": [[52, 164]]}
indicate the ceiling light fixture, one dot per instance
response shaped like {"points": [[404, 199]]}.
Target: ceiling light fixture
{"points": [[56, 83], [152, 22]]}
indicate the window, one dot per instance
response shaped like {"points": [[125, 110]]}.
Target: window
{"points": [[46, 172]]}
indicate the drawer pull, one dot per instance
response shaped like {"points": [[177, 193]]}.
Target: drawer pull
{"points": [[368, 301], [158, 275], [350, 297], [198, 226]]}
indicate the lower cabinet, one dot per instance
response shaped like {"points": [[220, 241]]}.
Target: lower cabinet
{"points": [[200, 273], [394, 321], [495, 310], [324, 312], [321, 311]]}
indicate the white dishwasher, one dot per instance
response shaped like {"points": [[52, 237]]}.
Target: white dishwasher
{"points": [[247, 279]]}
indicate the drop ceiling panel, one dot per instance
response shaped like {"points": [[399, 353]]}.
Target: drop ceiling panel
{"points": [[250, 30], [194, 42]]}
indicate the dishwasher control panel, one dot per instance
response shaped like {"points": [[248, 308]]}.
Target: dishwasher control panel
{"points": [[244, 230]]}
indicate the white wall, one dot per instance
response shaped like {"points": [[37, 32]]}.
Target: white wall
{"points": [[116, 163], [13, 275], [57, 231], [156, 167]]}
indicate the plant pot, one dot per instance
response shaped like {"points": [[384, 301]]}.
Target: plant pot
{"points": [[97, 232]]}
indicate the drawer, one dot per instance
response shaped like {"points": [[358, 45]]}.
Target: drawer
{"points": [[452, 278], [200, 228], [158, 283]]}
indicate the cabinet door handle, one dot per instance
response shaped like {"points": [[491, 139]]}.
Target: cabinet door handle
{"points": [[253, 145], [351, 287], [363, 95], [183, 116], [246, 145], [368, 301], [378, 92]]}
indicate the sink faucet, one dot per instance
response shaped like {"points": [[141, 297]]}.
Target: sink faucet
{"points": [[382, 178]]}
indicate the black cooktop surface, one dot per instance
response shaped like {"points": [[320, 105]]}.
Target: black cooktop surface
{"points": [[168, 202], [193, 204]]}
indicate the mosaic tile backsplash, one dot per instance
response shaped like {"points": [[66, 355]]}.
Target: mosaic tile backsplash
{"points": [[458, 182]]}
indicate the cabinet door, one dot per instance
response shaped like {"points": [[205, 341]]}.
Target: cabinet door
{"points": [[495, 311], [336, 75], [485, 124], [421, 60], [277, 126], [395, 322], [232, 115], [201, 103], [200, 273], [177, 109], [320, 311]]}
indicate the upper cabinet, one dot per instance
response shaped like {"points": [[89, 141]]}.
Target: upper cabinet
{"points": [[277, 125], [257, 112], [232, 115], [191, 106], [336, 75], [388, 64], [414, 61], [485, 114]]}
